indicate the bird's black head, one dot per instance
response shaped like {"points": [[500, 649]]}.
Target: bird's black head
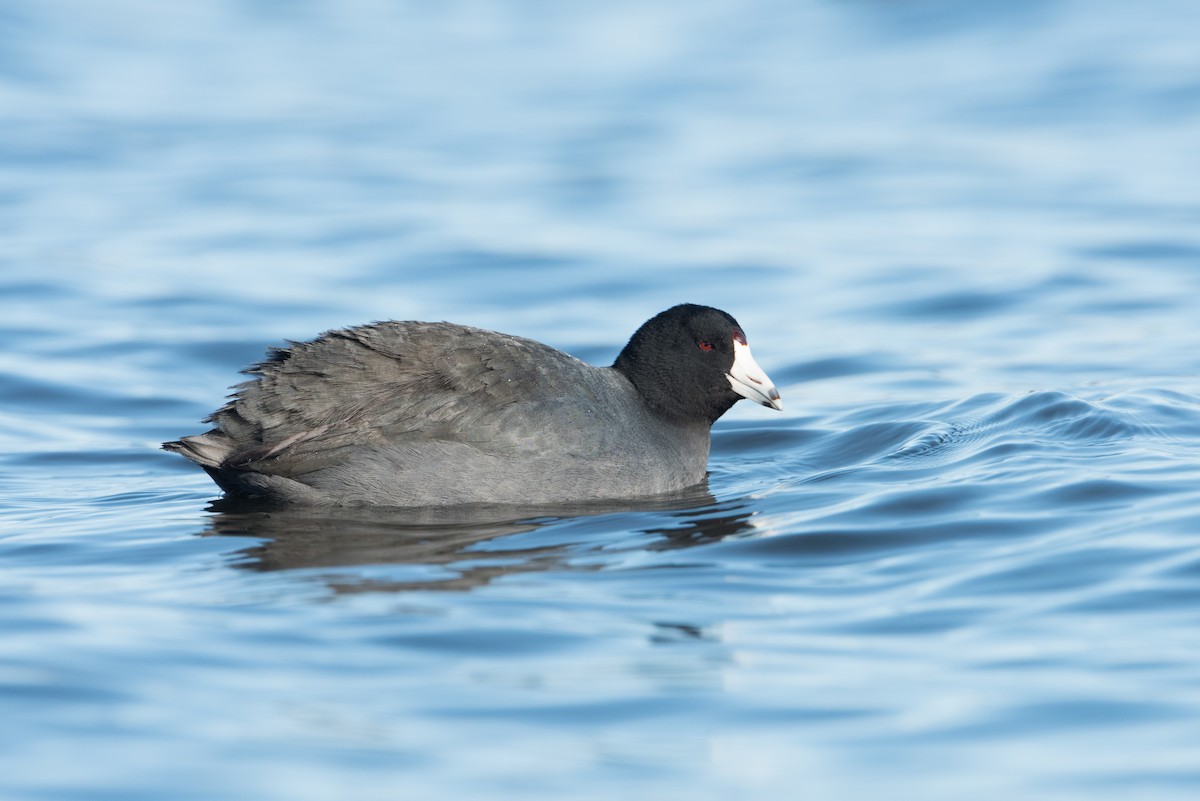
{"points": [[691, 363]]}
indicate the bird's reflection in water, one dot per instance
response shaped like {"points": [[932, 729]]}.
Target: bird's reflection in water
{"points": [[453, 539]]}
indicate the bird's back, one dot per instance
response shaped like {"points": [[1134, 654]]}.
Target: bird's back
{"points": [[423, 414]]}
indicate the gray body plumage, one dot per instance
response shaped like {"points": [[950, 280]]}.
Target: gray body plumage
{"points": [[437, 414]]}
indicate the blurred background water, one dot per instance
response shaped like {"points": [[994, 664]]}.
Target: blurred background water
{"points": [[963, 239]]}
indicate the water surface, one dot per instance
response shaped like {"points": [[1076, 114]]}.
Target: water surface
{"points": [[964, 563]]}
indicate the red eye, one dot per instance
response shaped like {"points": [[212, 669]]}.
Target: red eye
{"points": [[705, 345]]}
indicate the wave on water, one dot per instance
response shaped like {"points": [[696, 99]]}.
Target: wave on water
{"points": [[1037, 420], [1008, 467]]}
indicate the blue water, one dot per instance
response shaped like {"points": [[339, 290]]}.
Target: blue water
{"points": [[964, 240]]}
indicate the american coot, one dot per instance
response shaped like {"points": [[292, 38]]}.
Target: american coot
{"points": [[437, 414]]}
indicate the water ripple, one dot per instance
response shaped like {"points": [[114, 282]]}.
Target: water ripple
{"points": [[963, 563]]}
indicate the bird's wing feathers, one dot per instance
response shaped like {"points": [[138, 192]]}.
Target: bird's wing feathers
{"points": [[392, 383]]}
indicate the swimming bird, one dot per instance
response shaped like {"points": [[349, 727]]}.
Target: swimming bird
{"points": [[434, 414]]}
